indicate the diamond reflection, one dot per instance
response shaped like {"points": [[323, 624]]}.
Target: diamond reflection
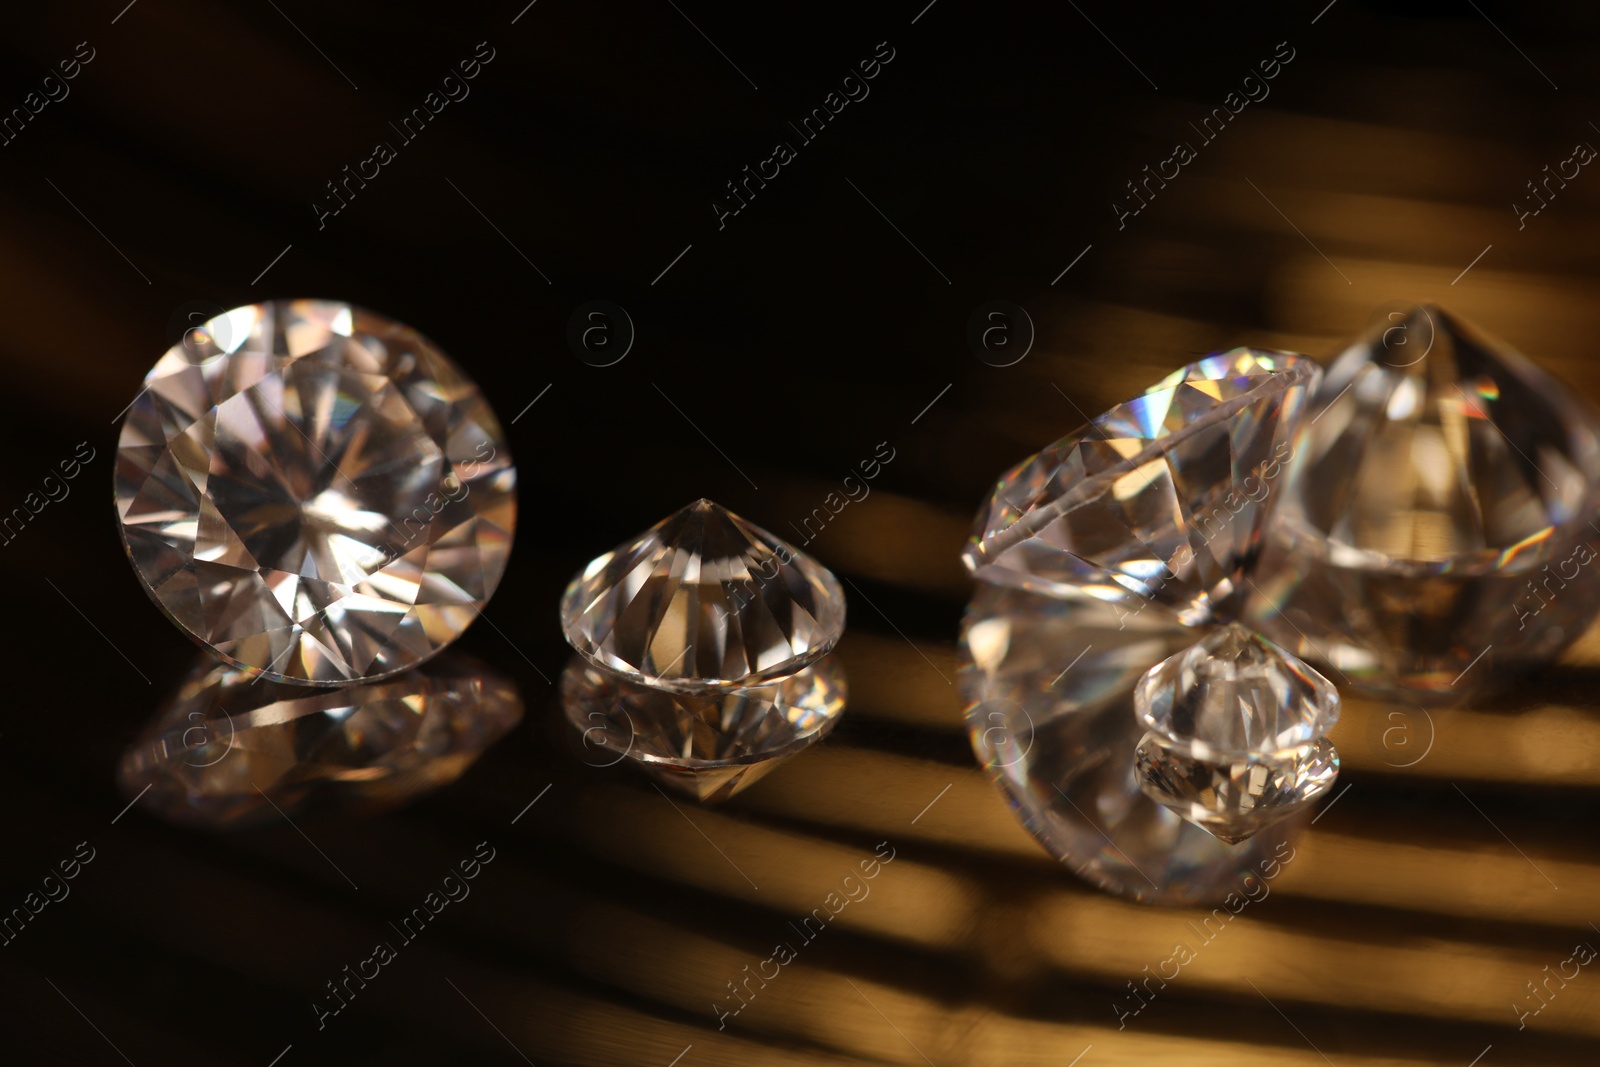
{"points": [[228, 746], [709, 744], [1049, 685]]}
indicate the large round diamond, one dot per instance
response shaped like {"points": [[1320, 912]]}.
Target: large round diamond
{"points": [[315, 491]]}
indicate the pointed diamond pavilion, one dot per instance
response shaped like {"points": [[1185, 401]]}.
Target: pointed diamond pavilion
{"points": [[704, 600], [315, 492], [1161, 499], [1441, 506]]}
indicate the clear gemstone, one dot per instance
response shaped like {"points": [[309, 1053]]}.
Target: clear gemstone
{"points": [[1050, 688], [226, 742], [704, 599], [1439, 505], [709, 744], [1237, 727], [1160, 500], [315, 491]]}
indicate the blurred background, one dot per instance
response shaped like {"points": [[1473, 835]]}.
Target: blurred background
{"points": [[185, 166]]}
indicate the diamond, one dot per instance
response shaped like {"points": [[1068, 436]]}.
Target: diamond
{"points": [[227, 746], [1438, 508], [703, 651], [704, 599], [1050, 684], [1236, 733], [1160, 500], [710, 744], [315, 491]]}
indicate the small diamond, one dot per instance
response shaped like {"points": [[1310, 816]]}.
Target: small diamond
{"points": [[315, 492], [704, 599], [1236, 733], [703, 652], [1438, 508], [226, 741], [1159, 500], [1050, 682], [710, 744]]}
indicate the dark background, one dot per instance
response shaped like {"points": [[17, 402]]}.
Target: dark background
{"points": [[771, 357]]}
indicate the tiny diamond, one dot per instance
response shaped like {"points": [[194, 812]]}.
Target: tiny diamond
{"points": [[1439, 507], [704, 599], [226, 741], [1159, 500], [710, 744], [315, 492], [1050, 684], [1236, 738]]}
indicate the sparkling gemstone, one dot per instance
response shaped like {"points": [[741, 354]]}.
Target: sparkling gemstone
{"points": [[709, 744], [1160, 500], [1050, 684], [315, 491], [227, 746], [1439, 507], [704, 599], [1236, 733]]}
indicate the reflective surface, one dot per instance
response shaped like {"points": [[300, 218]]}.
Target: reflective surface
{"points": [[709, 744], [1400, 929], [228, 749]]}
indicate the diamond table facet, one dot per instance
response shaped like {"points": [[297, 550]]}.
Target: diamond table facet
{"points": [[1236, 733], [1160, 500], [315, 491]]}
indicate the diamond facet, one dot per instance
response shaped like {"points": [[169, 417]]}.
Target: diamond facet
{"points": [[1236, 733], [1438, 507], [710, 744], [1160, 500], [704, 599], [226, 743], [315, 491]]}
